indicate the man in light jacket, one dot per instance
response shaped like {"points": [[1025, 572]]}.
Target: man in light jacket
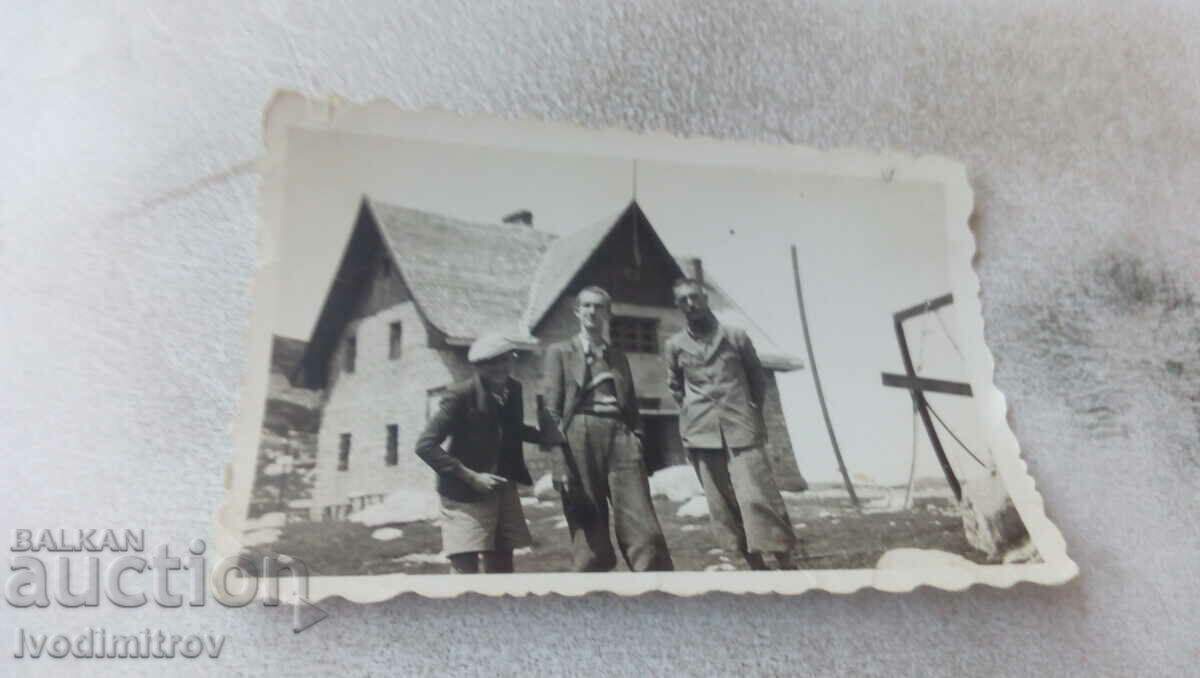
{"points": [[716, 378], [477, 476]]}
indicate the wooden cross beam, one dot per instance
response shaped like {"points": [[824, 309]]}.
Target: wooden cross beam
{"points": [[925, 384], [918, 386]]}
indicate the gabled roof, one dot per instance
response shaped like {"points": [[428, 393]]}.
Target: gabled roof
{"points": [[467, 278], [562, 261]]}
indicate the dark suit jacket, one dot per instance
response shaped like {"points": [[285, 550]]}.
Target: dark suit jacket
{"points": [[720, 389], [562, 378], [482, 437]]}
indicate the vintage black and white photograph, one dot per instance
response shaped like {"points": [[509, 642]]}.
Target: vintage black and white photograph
{"points": [[495, 348]]}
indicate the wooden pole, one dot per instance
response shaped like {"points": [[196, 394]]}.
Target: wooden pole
{"points": [[812, 364], [918, 398]]}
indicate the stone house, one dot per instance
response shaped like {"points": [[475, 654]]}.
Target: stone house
{"points": [[414, 289]]}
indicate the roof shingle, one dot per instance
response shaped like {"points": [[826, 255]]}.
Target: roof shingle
{"points": [[466, 277]]}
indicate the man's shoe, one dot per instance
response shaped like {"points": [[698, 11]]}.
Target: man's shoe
{"points": [[785, 561], [756, 562]]}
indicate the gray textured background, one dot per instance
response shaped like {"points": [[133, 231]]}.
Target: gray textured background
{"points": [[127, 222]]}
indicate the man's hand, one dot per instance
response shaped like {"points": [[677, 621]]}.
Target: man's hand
{"points": [[483, 482]]}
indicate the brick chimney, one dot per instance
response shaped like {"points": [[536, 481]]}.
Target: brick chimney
{"points": [[693, 268], [520, 217]]}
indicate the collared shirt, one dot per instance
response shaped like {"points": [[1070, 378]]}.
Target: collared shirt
{"points": [[501, 396], [706, 339], [599, 382], [593, 349]]}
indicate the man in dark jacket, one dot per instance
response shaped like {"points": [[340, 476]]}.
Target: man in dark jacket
{"points": [[715, 375], [476, 478], [590, 397]]}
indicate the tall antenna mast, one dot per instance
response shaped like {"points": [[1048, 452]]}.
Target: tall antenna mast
{"points": [[637, 251]]}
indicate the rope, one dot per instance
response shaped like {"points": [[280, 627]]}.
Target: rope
{"points": [[938, 315], [912, 462], [947, 428]]}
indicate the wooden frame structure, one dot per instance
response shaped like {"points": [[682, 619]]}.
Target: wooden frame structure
{"points": [[918, 386]]}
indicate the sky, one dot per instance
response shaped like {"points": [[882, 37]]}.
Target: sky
{"points": [[867, 248]]}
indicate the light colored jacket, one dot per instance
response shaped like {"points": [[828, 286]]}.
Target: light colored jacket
{"points": [[720, 388]]}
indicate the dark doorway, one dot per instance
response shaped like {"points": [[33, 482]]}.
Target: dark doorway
{"points": [[663, 445]]}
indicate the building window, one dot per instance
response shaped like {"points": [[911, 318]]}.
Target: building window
{"points": [[395, 334], [393, 445], [635, 335], [351, 353], [344, 452]]}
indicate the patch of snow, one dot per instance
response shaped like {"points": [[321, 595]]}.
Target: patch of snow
{"points": [[890, 500], [560, 523], [400, 506], [824, 514], [530, 501], [696, 507], [677, 483], [387, 534], [800, 526], [862, 479], [544, 487], [900, 559], [937, 490], [715, 552], [826, 493], [523, 551], [425, 558], [1026, 553], [720, 567], [261, 536]]}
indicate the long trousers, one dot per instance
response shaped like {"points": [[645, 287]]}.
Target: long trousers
{"points": [[746, 507], [612, 471]]}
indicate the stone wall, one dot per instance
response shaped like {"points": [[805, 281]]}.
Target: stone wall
{"points": [[380, 392]]}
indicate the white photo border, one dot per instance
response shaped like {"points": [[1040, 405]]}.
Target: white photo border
{"points": [[288, 110]]}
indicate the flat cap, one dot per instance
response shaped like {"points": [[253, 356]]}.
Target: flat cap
{"points": [[489, 346]]}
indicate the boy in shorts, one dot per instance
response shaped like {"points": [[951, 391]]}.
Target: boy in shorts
{"points": [[477, 475]]}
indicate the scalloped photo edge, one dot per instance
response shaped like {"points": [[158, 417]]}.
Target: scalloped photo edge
{"points": [[288, 111]]}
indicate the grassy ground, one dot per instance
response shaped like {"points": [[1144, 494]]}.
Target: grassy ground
{"points": [[834, 536]]}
